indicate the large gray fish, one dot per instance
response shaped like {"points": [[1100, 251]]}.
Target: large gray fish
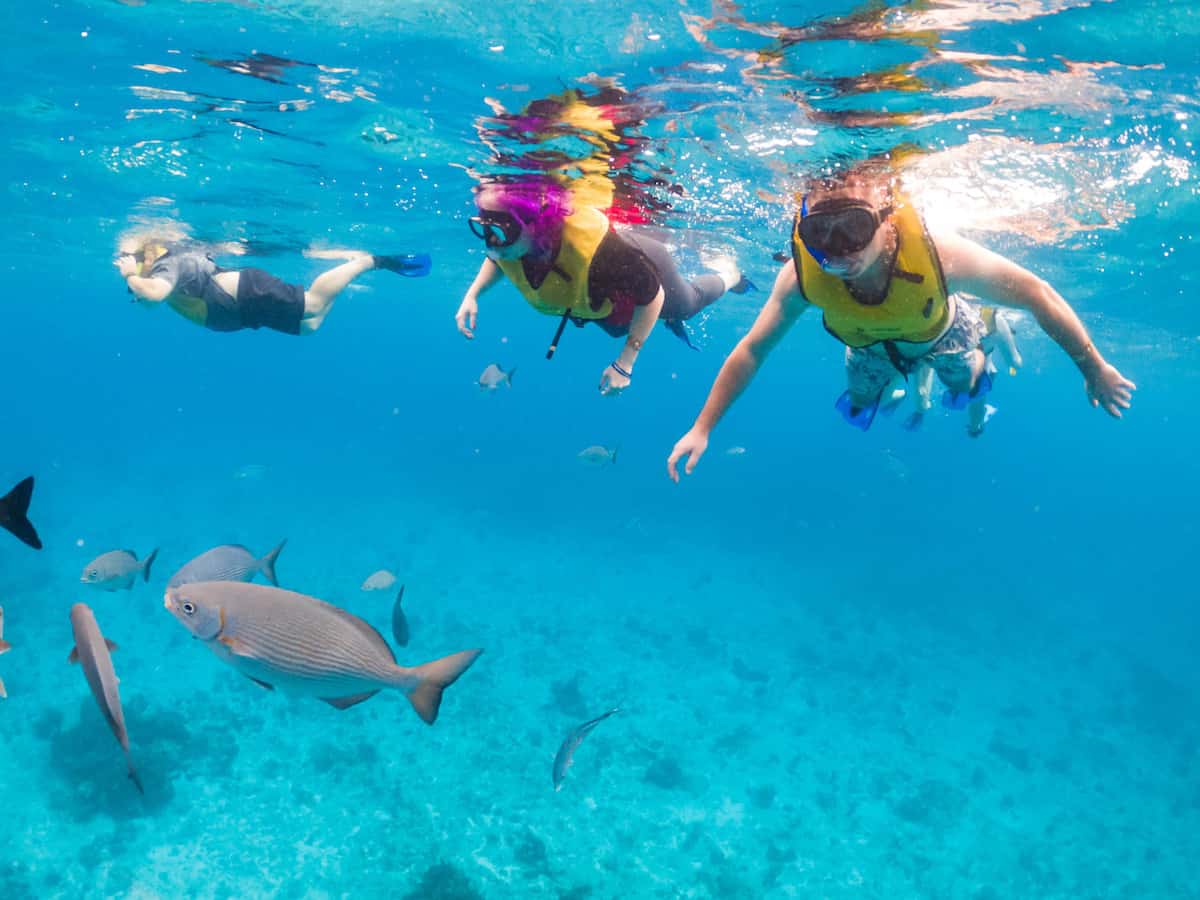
{"points": [[5, 646], [92, 651], [303, 645], [229, 562], [493, 377], [117, 570], [566, 752], [14, 509]]}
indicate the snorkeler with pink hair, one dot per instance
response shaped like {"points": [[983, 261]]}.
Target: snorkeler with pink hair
{"points": [[567, 261]]}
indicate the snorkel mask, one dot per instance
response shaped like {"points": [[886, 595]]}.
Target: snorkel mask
{"points": [[839, 228], [497, 229]]}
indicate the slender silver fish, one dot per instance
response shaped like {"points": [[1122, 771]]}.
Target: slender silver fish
{"points": [[597, 455], [229, 562], [92, 652], [400, 621], [566, 753], [303, 645], [5, 646], [117, 570]]}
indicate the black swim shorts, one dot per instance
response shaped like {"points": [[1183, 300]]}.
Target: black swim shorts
{"points": [[266, 302]]}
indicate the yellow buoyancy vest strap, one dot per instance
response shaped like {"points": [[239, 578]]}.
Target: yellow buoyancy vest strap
{"points": [[566, 287], [915, 308]]}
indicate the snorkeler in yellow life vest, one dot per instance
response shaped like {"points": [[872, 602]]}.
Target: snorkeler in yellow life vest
{"points": [[564, 288], [916, 307]]}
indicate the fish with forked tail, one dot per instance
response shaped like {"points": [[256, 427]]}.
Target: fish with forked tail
{"points": [[493, 377], [93, 652], [229, 562], [566, 753], [14, 509], [117, 570], [305, 646]]}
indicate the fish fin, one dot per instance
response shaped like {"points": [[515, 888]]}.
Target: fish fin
{"points": [[233, 644], [13, 508], [433, 678], [73, 657], [3, 692], [347, 702], [261, 683], [111, 645], [147, 563], [267, 564], [509, 375], [133, 776], [400, 621]]}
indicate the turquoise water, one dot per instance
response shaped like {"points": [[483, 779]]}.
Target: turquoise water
{"points": [[848, 665]]}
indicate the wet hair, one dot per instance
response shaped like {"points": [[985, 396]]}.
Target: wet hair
{"points": [[881, 173], [541, 205]]}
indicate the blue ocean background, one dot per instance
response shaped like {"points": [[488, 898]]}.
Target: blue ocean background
{"points": [[889, 664]]}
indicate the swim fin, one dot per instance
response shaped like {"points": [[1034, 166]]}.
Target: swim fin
{"points": [[677, 328], [14, 509], [410, 265], [962, 399], [744, 284], [858, 417]]}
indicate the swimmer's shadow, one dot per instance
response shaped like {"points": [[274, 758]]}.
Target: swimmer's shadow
{"points": [[87, 765]]}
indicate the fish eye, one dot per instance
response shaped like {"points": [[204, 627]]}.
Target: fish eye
{"points": [[189, 608], [92, 573]]}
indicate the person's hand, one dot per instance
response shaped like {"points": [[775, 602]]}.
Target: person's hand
{"points": [[126, 265], [612, 382], [1110, 389], [692, 445], [465, 317]]}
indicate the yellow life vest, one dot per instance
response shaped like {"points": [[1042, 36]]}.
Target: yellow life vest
{"points": [[915, 308], [566, 287]]}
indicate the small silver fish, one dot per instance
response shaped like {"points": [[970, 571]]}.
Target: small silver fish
{"points": [[92, 651], [735, 451], [400, 621], [597, 455], [117, 570], [379, 581], [494, 376], [566, 753], [5, 646], [250, 472], [305, 646], [228, 562]]}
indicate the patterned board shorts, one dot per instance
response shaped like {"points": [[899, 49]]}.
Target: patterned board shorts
{"points": [[869, 370]]}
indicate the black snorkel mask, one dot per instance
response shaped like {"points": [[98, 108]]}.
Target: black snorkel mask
{"points": [[496, 229]]}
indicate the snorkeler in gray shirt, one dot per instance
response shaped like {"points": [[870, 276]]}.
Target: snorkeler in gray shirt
{"points": [[223, 299]]}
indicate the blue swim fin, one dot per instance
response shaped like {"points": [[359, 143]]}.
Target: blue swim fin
{"points": [[677, 328], [962, 399], [410, 265], [858, 417], [744, 284]]}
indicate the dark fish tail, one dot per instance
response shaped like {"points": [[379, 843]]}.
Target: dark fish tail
{"points": [[267, 564], [433, 678], [508, 376], [147, 563], [13, 509], [400, 621]]}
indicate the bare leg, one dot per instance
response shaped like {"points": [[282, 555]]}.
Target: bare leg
{"points": [[318, 299]]}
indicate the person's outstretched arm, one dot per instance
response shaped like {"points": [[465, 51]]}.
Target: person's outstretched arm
{"points": [[973, 268], [782, 308], [489, 274], [612, 381]]}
